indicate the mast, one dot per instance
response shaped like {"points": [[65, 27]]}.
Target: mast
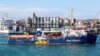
{"points": [[95, 22], [71, 17]]}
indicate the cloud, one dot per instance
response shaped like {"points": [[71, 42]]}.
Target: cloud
{"points": [[17, 13]]}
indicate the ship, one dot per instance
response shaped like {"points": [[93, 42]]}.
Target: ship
{"points": [[59, 36], [68, 36], [55, 37]]}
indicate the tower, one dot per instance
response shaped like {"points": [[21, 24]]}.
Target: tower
{"points": [[71, 18]]}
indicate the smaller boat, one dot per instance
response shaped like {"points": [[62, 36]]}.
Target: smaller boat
{"points": [[40, 38], [3, 28], [21, 39], [41, 42]]}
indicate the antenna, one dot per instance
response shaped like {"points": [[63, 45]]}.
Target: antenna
{"points": [[6, 15], [71, 17], [97, 14], [72, 13]]}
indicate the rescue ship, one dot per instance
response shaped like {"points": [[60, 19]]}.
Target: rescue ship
{"points": [[55, 37], [64, 37]]}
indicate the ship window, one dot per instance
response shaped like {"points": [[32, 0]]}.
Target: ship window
{"points": [[55, 34], [38, 33]]}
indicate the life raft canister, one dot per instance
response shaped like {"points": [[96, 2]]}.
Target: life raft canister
{"points": [[26, 33]]}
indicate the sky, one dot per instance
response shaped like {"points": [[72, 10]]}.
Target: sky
{"points": [[19, 9]]}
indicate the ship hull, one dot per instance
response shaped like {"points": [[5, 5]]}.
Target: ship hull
{"points": [[79, 40], [20, 41], [89, 39]]}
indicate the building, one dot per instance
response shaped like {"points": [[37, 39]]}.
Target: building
{"points": [[9, 23], [46, 22]]}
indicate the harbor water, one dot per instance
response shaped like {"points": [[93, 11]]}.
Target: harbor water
{"points": [[49, 50]]}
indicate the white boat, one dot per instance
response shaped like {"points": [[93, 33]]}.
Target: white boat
{"points": [[4, 31], [3, 28]]}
